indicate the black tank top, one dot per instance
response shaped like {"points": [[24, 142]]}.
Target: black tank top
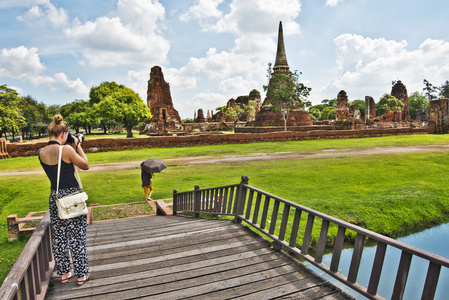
{"points": [[67, 178]]}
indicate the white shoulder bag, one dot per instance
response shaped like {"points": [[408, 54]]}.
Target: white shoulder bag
{"points": [[73, 205]]}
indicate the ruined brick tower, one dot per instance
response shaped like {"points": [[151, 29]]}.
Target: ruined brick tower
{"points": [[400, 92], [159, 100]]}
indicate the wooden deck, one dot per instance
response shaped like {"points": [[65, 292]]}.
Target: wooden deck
{"points": [[173, 257]]}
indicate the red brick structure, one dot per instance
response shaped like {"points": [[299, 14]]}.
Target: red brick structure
{"points": [[159, 100], [3, 150], [370, 108], [400, 92], [439, 113], [342, 106], [200, 118]]}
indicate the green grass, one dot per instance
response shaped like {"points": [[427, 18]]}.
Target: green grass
{"points": [[392, 194]]}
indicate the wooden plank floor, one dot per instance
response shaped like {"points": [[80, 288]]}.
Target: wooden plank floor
{"points": [[174, 257]]}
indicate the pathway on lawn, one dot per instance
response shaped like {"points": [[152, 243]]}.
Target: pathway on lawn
{"points": [[205, 160]]}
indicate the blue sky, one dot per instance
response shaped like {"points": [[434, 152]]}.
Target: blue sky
{"points": [[214, 50]]}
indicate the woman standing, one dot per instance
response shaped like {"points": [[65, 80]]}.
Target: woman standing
{"points": [[68, 235]]}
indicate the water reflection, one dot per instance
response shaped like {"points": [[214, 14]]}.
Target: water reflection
{"points": [[434, 240]]}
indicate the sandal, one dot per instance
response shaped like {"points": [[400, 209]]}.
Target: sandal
{"points": [[81, 282], [65, 280]]}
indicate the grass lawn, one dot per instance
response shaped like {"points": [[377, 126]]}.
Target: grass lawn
{"points": [[392, 194]]}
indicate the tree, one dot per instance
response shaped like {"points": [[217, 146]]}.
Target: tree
{"points": [[417, 101], [123, 105], [429, 90], [360, 105], [315, 113], [10, 119], [239, 111], [388, 102], [444, 90], [96, 95], [320, 107], [285, 92], [329, 113]]}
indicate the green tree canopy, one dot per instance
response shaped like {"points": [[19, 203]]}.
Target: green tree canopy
{"points": [[444, 90], [417, 101], [123, 105], [10, 118], [329, 113], [239, 111], [315, 113], [97, 94], [388, 102], [360, 105]]}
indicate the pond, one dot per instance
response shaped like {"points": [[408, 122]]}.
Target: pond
{"points": [[434, 240]]}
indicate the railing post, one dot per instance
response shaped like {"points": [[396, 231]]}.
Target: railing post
{"points": [[13, 228], [175, 202], [240, 200], [197, 201]]}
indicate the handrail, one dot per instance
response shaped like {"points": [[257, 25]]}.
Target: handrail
{"points": [[30, 275], [270, 215]]}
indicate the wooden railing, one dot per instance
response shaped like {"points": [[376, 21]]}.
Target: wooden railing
{"points": [[280, 221], [30, 275]]}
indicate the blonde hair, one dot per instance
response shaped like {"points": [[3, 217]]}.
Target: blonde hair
{"points": [[58, 126]]}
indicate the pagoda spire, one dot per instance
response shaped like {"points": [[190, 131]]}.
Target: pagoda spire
{"points": [[281, 58]]}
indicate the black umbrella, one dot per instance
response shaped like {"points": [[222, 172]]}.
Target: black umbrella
{"points": [[152, 165]]}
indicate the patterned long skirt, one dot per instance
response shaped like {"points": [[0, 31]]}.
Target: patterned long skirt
{"points": [[68, 238]]}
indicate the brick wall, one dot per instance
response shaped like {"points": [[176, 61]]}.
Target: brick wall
{"points": [[100, 145]]}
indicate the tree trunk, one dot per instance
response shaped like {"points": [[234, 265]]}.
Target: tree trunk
{"points": [[285, 121], [129, 131]]}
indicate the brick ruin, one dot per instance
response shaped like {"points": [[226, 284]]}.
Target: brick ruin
{"points": [[342, 106], [439, 113], [159, 100], [400, 92], [370, 108]]}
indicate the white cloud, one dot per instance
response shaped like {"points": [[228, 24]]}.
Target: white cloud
{"points": [[368, 66], [130, 37], [259, 17], [180, 79], [45, 12], [20, 62], [237, 86], [202, 9], [207, 100], [23, 63], [333, 2], [72, 86]]}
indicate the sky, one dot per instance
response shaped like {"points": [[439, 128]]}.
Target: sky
{"points": [[213, 50]]}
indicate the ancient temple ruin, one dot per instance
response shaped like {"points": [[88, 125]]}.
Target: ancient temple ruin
{"points": [[342, 106], [400, 92], [370, 108], [266, 115], [160, 102]]}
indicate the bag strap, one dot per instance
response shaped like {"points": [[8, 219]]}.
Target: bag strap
{"points": [[59, 171]]}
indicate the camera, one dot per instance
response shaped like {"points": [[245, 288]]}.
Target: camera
{"points": [[71, 140]]}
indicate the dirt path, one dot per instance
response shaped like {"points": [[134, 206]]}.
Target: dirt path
{"points": [[204, 160]]}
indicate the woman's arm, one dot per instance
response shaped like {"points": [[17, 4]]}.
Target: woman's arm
{"points": [[77, 156]]}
